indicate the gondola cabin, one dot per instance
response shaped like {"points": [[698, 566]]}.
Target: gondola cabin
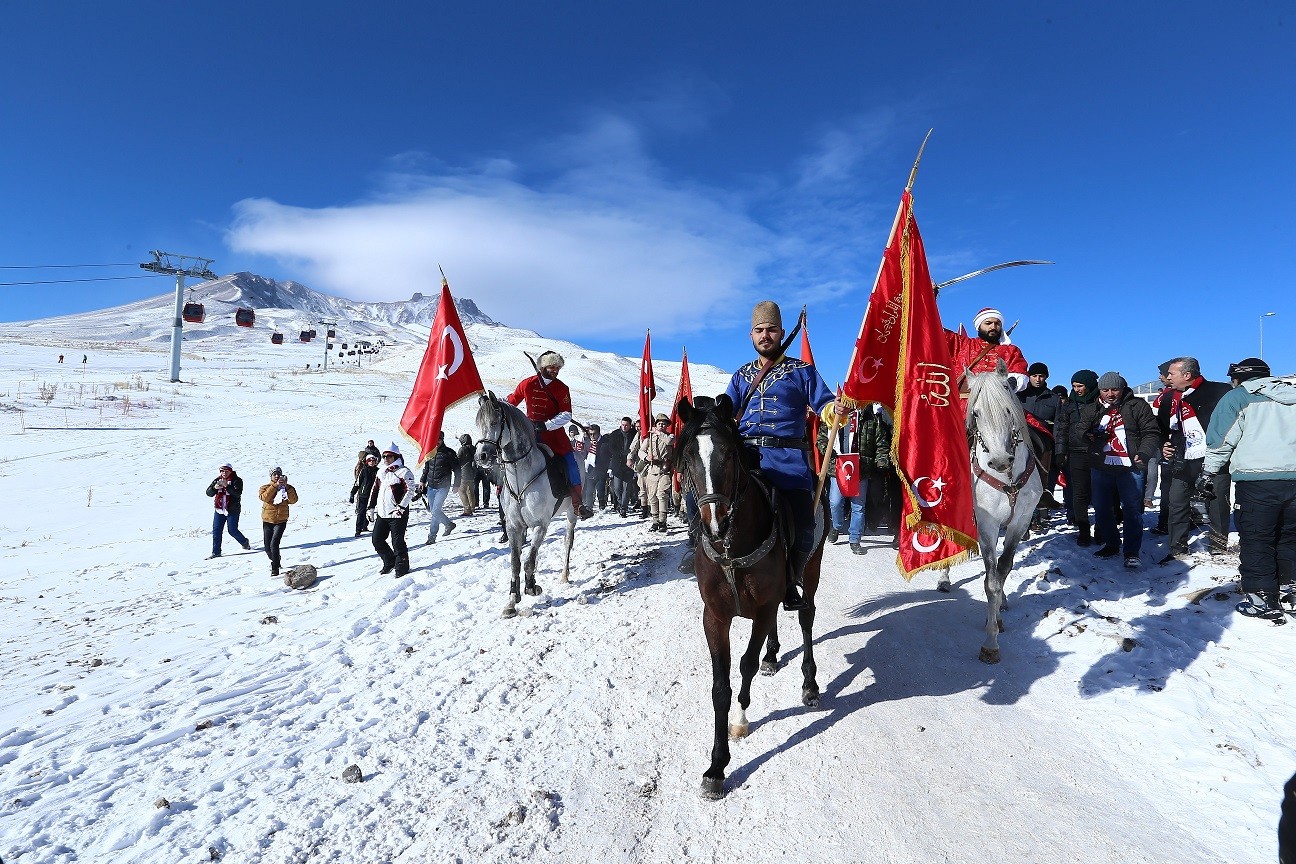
{"points": [[344, 346], [244, 317], [306, 335], [331, 333], [276, 338], [193, 313], [312, 332]]}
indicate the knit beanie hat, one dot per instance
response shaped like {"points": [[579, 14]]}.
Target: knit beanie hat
{"points": [[1037, 369], [1112, 381], [1245, 370], [1087, 377]]}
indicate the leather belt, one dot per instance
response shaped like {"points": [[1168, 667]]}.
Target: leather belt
{"points": [[771, 441]]}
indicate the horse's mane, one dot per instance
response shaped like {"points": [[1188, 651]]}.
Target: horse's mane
{"points": [[992, 405], [514, 419]]}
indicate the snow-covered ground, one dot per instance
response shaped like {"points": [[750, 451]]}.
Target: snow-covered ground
{"points": [[1134, 717]]}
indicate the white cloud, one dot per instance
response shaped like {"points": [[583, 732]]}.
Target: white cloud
{"points": [[607, 246], [588, 235]]}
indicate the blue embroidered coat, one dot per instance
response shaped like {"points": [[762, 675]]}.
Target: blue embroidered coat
{"points": [[778, 409]]}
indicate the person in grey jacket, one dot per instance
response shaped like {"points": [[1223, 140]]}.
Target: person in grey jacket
{"points": [[1253, 429], [1122, 440]]}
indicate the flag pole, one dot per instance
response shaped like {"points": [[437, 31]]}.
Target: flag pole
{"points": [[895, 224], [836, 418]]}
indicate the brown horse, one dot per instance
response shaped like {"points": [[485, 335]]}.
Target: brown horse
{"points": [[742, 568]]}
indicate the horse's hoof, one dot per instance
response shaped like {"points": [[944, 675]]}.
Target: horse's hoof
{"points": [[738, 731], [713, 788], [510, 611], [564, 579], [810, 698], [943, 587], [768, 668], [533, 590], [989, 655]]}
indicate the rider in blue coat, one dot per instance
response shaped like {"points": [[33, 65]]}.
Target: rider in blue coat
{"points": [[772, 418]]}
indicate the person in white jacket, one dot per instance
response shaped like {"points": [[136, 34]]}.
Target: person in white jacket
{"points": [[389, 503]]}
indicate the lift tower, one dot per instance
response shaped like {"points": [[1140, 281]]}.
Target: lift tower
{"points": [[178, 266]]}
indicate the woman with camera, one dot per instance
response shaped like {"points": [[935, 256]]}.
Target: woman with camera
{"points": [[226, 492], [275, 497]]}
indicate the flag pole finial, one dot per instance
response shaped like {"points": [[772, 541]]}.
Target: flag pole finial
{"points": [[914, 172]]}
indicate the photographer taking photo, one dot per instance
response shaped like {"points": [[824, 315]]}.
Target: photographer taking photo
{"points": [[226, 492], [275, 497]]}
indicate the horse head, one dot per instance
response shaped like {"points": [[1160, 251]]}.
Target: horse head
{"points": [[996, 422], [490, 429], [709, 453]]}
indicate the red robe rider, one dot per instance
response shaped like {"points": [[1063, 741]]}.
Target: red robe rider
{"points": [[988, 324], [548, 407]]}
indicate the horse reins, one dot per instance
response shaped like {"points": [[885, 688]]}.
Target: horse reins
{"points": [[724, 559], [1011, 489], [499, 448]]}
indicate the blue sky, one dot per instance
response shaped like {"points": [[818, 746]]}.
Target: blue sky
{"points": [[591, 170]]}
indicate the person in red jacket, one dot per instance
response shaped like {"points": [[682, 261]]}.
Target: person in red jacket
{"points": [[548, 407], [988, 324]]}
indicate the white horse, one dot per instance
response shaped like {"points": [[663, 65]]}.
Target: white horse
{"points": [[1005, 486], [507, 438]]}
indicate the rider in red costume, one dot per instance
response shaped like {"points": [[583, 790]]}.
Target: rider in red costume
{"points": [[548, 407], [988, 324]]}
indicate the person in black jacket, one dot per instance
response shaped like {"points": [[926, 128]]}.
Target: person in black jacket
{"points": [[1122, 440], [226, 492], [364, 485], [1183, 417], [619, 443], [1042, 407], [1071, 451], [438, 476], [467, 482]]}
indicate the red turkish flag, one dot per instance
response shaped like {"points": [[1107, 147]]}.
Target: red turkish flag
{"points": [[872, 376], [848, 475], [929, 447], [684, 391], [647, 387], [446, 377]]}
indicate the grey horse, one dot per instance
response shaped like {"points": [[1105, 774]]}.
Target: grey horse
{"points": [[506, 439]]}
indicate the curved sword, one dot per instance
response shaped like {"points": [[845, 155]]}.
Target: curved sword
{"points": [[939, 285]]}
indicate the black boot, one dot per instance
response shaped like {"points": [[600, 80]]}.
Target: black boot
{"points": [[1084, 539], [792, 600]]}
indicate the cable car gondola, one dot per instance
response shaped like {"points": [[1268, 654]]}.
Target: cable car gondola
{"points": [[332, 333], [344, 346], [312, 332], [276, 338], [244, 317], [306, 335], [193, 313]]}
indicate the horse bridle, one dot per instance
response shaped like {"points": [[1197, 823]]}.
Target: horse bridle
{"points": [[504, 461], [722, 557], [1011, 488]]}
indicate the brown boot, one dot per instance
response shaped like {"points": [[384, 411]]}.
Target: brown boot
{"points": [[578, 502]]}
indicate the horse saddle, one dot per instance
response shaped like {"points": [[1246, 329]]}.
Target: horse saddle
{"points": [[556, 469]]}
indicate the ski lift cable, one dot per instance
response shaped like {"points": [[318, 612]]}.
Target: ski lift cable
{"points": [[58, 266], [66, 281]]}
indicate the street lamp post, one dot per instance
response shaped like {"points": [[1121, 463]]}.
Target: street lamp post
{"points": [[1262, 317]]}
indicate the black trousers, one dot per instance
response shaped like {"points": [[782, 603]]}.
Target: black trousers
{"points": [[362, 516], [272, 533], [1266, 533], [1183, 479], [1078, 479], [397, 553]]}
